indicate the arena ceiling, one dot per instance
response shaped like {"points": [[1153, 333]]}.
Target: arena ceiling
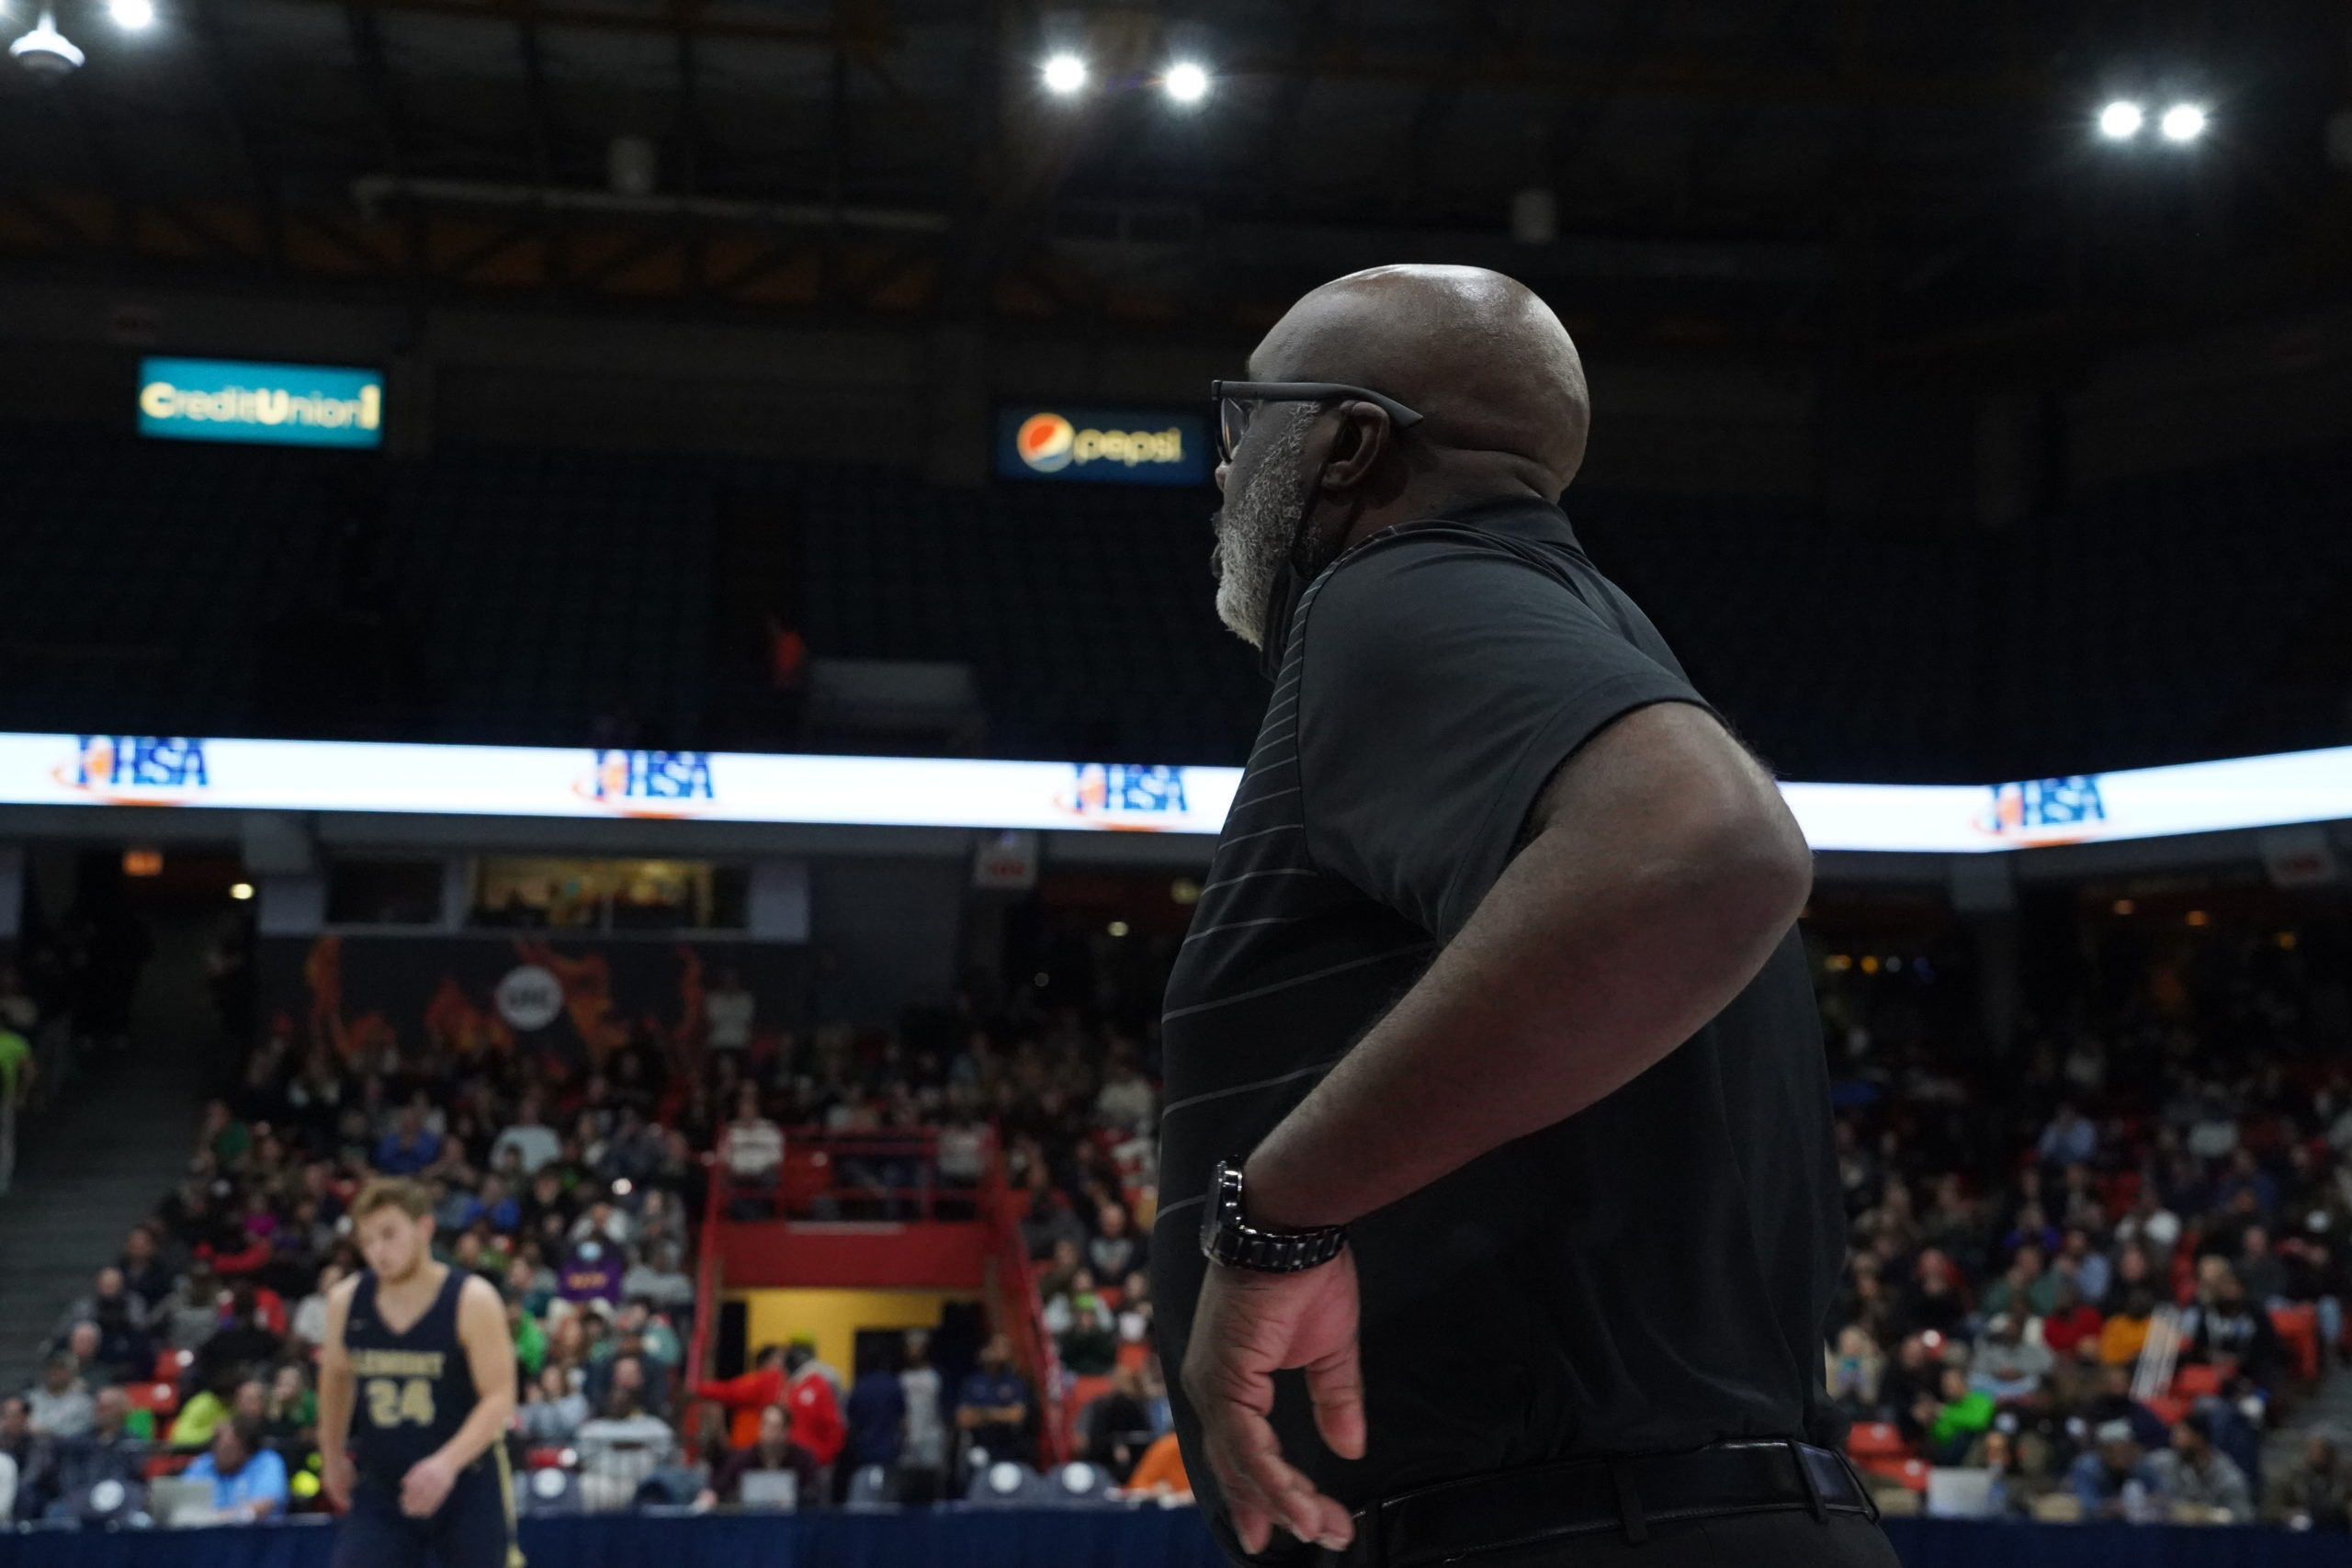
{"points": [[1892, 177]]}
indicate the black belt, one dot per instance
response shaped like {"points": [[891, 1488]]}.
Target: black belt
{"points": [[1629, 1493]]}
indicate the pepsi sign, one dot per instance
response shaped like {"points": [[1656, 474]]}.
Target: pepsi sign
{"points": [[1101, 446]]}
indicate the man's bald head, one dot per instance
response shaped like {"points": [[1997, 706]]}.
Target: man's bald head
{"points": [[1477, 354]]}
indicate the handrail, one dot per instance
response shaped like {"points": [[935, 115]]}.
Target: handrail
{"points": [[707, 1273], [1024, 1312]]}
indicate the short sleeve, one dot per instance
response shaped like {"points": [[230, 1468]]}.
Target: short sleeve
{"points": [[1441, 683]]}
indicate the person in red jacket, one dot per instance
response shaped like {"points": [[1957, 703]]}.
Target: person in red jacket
{"points": [[781, 1377]]}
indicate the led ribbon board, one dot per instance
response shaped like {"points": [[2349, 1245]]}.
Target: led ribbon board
{"points": [[913, 792]]}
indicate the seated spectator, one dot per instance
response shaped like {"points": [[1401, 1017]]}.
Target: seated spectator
{"points": [[773, 1449], [2104, 1478], [191, 1312], [2260, 1270], [1910, 1384], [244, 1341], [992, 1408], [619, 1449], [228, 1395], [2006, 1364], [309, 1324], [17, 1439], [248, 1479], [2195, 1474], [410, 1148], [1952, 1421], [1856, 1366], [69, 1466], [1936, 1301], [2017, 1482], [2315, 1493], [1160, 1472], [2111, 1401], [2090, 1272], [553, 1415], [62, 1406], [2071, 1138], [2125, 1333], [533, 1143], [144, 1272], [291, 1414], [2223, 1328], [1115, 1251], [751, 1147], [2024, 1289], [658, 1280], [1114, 1430], [1126, 1101], [2071, 1321]]}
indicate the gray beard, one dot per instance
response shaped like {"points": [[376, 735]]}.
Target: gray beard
{"points": [[1257, 530]]}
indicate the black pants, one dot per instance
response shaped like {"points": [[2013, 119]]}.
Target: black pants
{"points": [[1786, 1539]]}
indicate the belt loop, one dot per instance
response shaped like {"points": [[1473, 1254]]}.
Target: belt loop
{"points": [[1869, 1501], [1629, 1502], [1813, 1502]]}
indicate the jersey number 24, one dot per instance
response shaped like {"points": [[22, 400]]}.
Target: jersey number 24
{"points": [[392, 1401]]}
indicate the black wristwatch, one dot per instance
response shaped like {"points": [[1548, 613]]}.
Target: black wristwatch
{"points": [[1229, 1237]]}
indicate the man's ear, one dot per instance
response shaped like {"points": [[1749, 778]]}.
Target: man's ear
{"points": [[1357, 443]]}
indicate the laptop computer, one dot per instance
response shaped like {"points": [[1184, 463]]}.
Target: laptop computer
{"points": [[174, 1501], [777, 1490]]}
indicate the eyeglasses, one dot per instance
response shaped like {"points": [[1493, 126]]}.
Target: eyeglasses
{"points": [[1237, 403]]}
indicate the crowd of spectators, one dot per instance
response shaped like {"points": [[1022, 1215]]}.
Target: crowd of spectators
{"points": [[579, 1197], [2103, 1266]]}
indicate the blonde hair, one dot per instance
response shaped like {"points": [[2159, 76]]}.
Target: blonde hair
{"points": [[392, 1192]]}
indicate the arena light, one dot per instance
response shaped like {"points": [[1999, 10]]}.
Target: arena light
{"points": [[2121, 121], [1118, 928], [240, 891], [1064, 75], [2183, 123], [1186, 83], [132, 16], [45, 52]]}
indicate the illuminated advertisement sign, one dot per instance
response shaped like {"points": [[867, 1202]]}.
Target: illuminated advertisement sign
{"points": [[285, 405], [1101, 446], [166, 771]]}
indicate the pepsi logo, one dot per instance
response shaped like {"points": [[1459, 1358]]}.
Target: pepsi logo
{"points": [[1047, 441]]}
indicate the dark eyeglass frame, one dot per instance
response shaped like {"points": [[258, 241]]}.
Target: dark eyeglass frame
{"points": [[1235, 401]]}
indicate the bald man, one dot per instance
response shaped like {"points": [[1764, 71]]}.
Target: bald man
{"points": [[1496, 1093]]}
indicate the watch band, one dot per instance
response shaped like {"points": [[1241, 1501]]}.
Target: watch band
{"points": [[1229, 1237]]}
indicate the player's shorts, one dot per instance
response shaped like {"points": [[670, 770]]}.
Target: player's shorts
{"points": [[474, 1528]]}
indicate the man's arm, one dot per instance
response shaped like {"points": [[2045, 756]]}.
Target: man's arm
{"points": [[489, 1355], [336, 1388], [1661, 870]]}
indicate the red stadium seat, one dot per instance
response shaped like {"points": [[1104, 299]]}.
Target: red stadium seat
{"points": [[2299, 1326], [807, 1175], [1876, 1439], [163, 1398], [166, 1464], [544, 1459], [1083, 1391], [172, 1363], [2169, 1408], [1912, 1472], [2194, 1383]]}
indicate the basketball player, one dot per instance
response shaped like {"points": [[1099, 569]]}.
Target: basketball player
{"points": [[416, 1386]]}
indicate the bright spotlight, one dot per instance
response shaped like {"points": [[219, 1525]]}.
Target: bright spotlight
{"points": [[2121, 121], [132, 16], [1064, 75], [2182, 122], [240, 891], [1186, 83]]}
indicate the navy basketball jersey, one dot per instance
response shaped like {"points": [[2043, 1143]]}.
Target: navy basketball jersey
{"points": [[414, 1389]]}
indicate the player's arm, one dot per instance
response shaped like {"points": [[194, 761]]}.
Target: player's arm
{"points": [[1661, 870], [490, 1352], [338, 1389]]}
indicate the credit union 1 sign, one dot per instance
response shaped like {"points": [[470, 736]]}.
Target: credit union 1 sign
{"points": [[286, 405]]}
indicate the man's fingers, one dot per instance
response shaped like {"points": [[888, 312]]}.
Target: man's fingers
{"points": [[1288, 1496], [1335, 1384]]}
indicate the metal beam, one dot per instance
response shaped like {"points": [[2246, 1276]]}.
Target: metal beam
{"points": [[220, 72], [1479, 23], [722, 25]]}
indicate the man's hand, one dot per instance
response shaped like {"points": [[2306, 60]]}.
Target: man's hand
{"points": [[336, 1474], [426, 1486], [1248, 1327]]}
